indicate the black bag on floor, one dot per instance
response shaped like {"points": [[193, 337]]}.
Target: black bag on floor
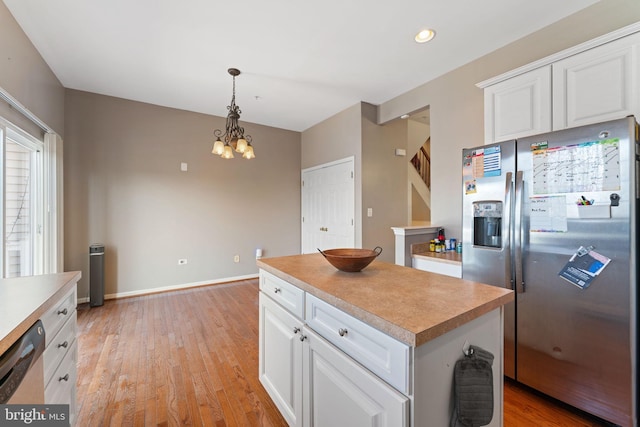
{"points": [[473, 389]]}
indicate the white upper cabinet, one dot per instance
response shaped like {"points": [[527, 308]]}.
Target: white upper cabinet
{"points": [[596, 81], [596, 85], [519, 106]]}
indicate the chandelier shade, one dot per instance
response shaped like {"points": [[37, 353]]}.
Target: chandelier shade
{"points": [[233, 138]]}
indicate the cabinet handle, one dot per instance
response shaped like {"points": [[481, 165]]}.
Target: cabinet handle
{"points": [[64, 312], [303, 337], [276, 290], [64, 344], [296, 330], [342, 332], [65, 378]]}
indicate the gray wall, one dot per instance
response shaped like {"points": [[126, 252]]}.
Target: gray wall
{"points": [[336, 138], [457, 104], [124, 188], [384, 182], [380, 176], [27, 78]]}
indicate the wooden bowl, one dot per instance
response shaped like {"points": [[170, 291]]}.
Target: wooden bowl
{"points": [[351, 260]]}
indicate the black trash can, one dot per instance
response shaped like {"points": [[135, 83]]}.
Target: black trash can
{"points": [[96, 275]]}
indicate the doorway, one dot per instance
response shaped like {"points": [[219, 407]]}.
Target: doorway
{"points": [[419, 173]]}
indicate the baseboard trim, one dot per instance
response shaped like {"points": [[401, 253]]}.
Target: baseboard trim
{"points": [[141, 292]]}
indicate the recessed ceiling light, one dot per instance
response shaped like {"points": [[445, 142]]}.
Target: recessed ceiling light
{"points": [[425, 35], [404, 116]]}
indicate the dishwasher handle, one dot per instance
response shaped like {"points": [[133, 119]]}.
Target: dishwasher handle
{"points": [[16, 362]]}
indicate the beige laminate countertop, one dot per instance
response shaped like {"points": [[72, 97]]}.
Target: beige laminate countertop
{"points": [[23, 300], [448, 257], [411, 305]]}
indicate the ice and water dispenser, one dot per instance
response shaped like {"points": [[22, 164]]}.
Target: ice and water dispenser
{"points": [[487, 224]]}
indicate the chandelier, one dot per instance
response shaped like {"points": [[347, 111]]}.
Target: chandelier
{"points": [[233, 138]]}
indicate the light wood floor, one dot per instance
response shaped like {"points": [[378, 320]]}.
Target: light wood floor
{"points": [[191, 358]]}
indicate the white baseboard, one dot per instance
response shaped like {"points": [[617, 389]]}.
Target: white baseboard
{"points": [[171, 288]]}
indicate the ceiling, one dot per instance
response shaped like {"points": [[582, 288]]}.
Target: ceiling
{"points": [[301, 61]]}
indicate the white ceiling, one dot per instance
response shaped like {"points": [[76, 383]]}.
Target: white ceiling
{"points": [[301, 61]]}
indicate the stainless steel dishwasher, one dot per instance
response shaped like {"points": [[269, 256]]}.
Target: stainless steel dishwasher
{"points": [[21, 369]]}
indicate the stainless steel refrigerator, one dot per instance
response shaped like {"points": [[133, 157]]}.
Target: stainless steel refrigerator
{"points": [[555, 218]]}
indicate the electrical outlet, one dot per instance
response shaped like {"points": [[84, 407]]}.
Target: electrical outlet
{"points": [[236, 258], [182, 261]]}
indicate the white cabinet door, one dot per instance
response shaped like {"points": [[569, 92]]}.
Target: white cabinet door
{"points": [[280, 362], [518, 107], [597, 85], [328, 207], [340, 392]]}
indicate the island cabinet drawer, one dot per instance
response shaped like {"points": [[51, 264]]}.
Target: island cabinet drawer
{"points": [[61, 389], [58, 347], [57, 315], [284, 293], [383, 355], [58, 388]]}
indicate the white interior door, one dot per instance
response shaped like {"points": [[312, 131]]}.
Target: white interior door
{"points": [[328, 206]]}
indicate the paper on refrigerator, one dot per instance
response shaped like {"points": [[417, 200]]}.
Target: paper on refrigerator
{"points": [[583, 267]]}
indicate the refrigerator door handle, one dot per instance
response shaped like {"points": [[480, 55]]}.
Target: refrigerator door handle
{"points": [[506, 230], [517, 231]]}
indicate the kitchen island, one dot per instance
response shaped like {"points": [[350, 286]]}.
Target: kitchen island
{"points": [[340, 348]]}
